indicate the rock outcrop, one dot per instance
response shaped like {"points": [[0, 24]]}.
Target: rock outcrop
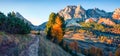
{"points": [[106, 21], [90, 20], [116, 14], [80, 12]]}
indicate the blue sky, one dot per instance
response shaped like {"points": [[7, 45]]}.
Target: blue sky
{"points": [[37, 11]]}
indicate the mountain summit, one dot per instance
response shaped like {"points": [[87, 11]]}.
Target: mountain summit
{"points": [[70, 12], [73, 12]]}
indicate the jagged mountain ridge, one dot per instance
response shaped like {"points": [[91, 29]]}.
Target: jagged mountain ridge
{"points": [[96, 13], [70, 12]]}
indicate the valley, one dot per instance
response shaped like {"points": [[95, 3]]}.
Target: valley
{"points": [[72, 30]]}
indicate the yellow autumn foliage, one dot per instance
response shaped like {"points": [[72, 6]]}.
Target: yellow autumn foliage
{"points": [[57, 31]]}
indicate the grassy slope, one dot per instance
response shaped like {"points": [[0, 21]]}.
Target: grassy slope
{"points": [[48, 48], [14, 44]]}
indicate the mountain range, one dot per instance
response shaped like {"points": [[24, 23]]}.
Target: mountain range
{"points": [[70, 12], [73, 14]]}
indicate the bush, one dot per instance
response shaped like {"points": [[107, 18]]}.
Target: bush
{"points": [[117, 52], [93, 51]]}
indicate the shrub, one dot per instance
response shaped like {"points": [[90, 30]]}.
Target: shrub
{"points": [[93, 51], [117, 52]]}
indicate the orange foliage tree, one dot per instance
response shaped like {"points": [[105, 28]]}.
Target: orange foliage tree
{"points": [[55, 28]]}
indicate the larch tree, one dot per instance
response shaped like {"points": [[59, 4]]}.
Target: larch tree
{"points": [[55, 28]]}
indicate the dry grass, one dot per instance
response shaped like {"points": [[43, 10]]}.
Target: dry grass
{"points": [[48, 48], [12, 44]]}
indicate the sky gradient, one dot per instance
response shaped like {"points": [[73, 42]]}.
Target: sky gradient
{"points": [[37, 11]]}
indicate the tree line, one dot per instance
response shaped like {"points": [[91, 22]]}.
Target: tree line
{"points": [[12, 24]]}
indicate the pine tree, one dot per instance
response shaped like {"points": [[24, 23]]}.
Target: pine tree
{"points": [[13, 24]]}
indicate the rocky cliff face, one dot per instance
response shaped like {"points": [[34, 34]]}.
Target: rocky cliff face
{"points": [[116, 14], [96, 13], [73, 12], [70, 12]]}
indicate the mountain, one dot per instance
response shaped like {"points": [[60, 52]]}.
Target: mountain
{"points": [[21, 17], [116, 14], [25, 20], [96, 13], [73, 12], [42, 26], [70, 12]]}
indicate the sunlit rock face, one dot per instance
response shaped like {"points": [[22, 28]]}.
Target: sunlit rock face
{"points": [[106, 21], [80, 12], [116, 14], [70, 12]]}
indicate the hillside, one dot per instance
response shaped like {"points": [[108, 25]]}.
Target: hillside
{"points": [[28, 45]]}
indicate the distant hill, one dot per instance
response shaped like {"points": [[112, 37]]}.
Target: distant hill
{"points": [[33, 27], [21, 17], [42, 26]]}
